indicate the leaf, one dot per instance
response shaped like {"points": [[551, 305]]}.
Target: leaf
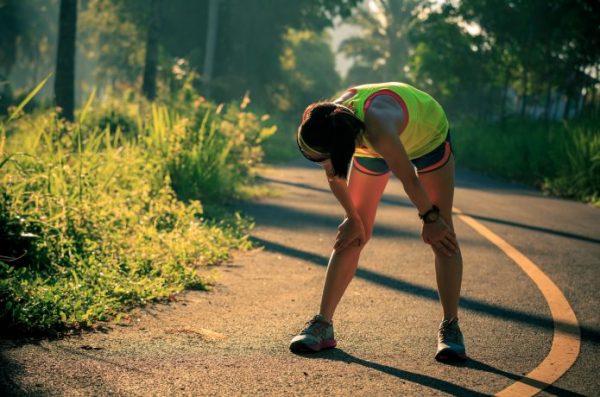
{"points": [[88, 103], [28, 98]]}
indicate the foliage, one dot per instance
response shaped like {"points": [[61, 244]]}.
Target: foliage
{"points": [[211, 155], [110, 36], [471, 54], [24, 31], [251, 64], [579, 176], [561, 158], [91, 223], [309, 68], [381, 51], [457, 85]]}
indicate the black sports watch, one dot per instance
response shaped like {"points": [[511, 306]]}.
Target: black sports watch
{"points": [[431, 216]]}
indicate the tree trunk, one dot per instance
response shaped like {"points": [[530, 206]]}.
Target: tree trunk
{"points": [[211, 43], [524, 97], [548, 100], [567, 106], [596, 97], [504, 95], [556, 105], [151, 61], [64, 83]]}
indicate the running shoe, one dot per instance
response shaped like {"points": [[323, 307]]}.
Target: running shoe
{"points": [[450, 345], [317, 335]]}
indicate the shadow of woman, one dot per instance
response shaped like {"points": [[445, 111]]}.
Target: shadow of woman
{"points": [[434, 383], [548, 388]]}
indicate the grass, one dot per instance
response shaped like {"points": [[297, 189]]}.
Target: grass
{"points": [[562, 159], [281, 147], [118, 208]]}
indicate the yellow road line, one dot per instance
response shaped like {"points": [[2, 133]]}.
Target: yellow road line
{"points": [[566, 341]]}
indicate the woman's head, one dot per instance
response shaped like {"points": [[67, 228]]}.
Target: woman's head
{"points": [[329, 131]]}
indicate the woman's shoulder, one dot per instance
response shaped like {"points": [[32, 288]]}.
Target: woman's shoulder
{"points": [[386, 106], [385, 114]]}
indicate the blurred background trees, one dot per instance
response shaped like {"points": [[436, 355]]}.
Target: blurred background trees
{"points": [[483, 59], [249, 48]]}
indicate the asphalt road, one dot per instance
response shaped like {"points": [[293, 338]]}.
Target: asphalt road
{"points": [[234, 339]]}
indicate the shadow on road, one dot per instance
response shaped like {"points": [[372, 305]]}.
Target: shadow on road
{"points": [[492, 310], [283, 216], [425, 380], [10, 371], [434, 383], [404, 202], [386, 199], [550, 389], [536, 228]]}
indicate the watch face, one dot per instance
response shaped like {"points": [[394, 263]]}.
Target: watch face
{"points": [[433, 216]]}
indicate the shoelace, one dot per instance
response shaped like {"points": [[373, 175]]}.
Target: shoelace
{"points": [[447, 331], [314, 324]]}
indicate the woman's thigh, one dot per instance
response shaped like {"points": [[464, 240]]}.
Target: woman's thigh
{"points": [[366, 191], [439, 185]]}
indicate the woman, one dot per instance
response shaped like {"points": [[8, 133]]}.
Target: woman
{"points": [[384, 128]]}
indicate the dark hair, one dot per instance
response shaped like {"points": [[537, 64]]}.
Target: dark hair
{"points": [[331, 129]]}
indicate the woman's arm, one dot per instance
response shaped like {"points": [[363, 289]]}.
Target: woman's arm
{"points": [[351, 230], [382, 128], [382, 122]]}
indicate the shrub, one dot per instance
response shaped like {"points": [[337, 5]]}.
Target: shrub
{"points": [[560, 158], [91, 222]]}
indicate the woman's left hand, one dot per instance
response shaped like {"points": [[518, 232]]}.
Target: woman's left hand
{"points": [[440, 236]]}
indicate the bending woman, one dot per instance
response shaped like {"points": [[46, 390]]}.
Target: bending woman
{"points": [[381, 129]]}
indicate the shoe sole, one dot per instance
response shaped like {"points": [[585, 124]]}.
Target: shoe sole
{"points": [[299, 347], [449, 355]]}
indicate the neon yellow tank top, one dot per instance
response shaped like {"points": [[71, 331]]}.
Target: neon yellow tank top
{"points": [[425, 125]]}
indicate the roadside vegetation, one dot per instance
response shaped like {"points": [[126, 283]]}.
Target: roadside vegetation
{"points": [[561, 159], [118, 208]]}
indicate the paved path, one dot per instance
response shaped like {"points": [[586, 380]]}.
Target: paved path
{"points": [[234, 340]]}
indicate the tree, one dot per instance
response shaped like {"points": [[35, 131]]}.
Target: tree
{"points": [[151, 58], [9, 32], [547, 45], [211, 42], [309, 71], [28, 31], [451, 64], [64, 83], [251, 40], [110, 36], [381, 51]]}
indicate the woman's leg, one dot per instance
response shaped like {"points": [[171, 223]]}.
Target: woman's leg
{"points": [[365, 192], [439, 185]]}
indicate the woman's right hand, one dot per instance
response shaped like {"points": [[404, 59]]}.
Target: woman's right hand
{"points": [[350, 231], [440, 236]]}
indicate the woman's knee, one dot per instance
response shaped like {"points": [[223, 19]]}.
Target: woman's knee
{"points": [[368, 235]]}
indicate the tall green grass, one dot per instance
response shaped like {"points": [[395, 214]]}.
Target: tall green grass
{"points": [[94, 220], [562, 159]]}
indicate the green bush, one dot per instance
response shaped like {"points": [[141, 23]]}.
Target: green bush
{"points": [[579, 175], [211, 153], [91, 218], [560, 158]]}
